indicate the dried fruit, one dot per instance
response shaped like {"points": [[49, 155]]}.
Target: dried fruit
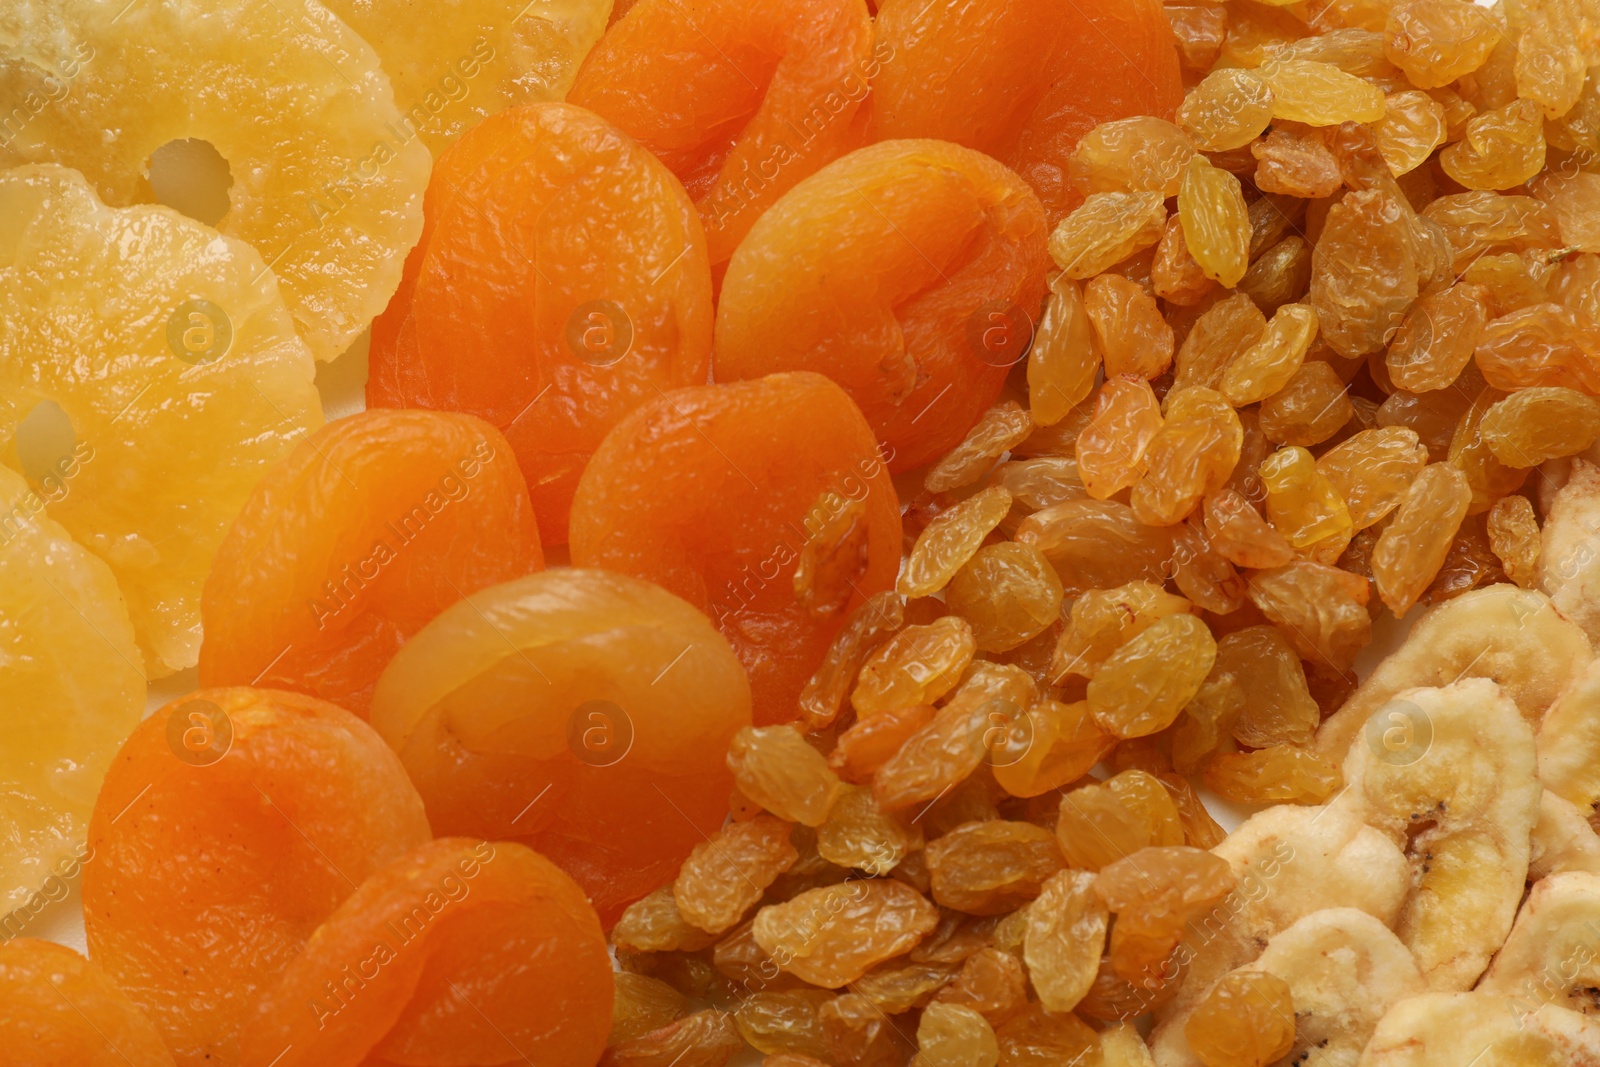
{"points": [[830, 936], [1412, 547], [1247, 1020], [61, 1008], [1143, 685], [1413, 125], [1545, 344], [1312, 407], [858, 833], [875, 619], [1009, 593], [857, 1034], [1295, 161], [1097, 544], [991, 867], [1192, 453], [1174, 275], [1437, 338], [1487, 477], [1061, 743], [1154, 893], [1573, 197], [918, 665], [1216, 222], [1279, 275], [1226, 328], [1103, 620], [1276, 775], [728, 872], [1278, 708], [1269, 364], [1105, 230], [1533, 425], [1110, 449], [1514, 534], [1133, 155], [654, 924], [1130, 333], [1437, 41], [1303, 504], [1322, 609], [867, 745], [1365, 274], [949, 1035], [1228, 109], [1062, 360], [992, 983], [1065, 937], [775, 1023], [1502, 148], [704, 1039], [776, 768], [1103, 823], [1319, 94], [946, 544], [1373, 470]]}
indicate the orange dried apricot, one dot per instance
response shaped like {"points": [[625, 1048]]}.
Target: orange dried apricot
{"points": [[371, 527], [614, 696], [560, 281], [460, 951], [62, 1009], [910, 272], [741, 101], [714, 491], [229, 810]]}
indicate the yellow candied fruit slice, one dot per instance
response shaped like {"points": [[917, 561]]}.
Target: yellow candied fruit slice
{"points": [[178, 367], [327, 177], [71, 689]]}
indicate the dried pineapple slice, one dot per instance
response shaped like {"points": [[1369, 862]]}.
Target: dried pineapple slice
{"points": [[1569, 548], [1481, 1030], [1290, 861], [1448, 774], [474, 57], [1500, 632], [71, 688], [1562, 840], [170, 351], [327, 177], [1549, 957], [1345, 970]]}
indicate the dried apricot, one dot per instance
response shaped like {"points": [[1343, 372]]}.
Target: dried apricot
{"points": [[226, 810], [572, 681], [61, 1009], [529, 307], [741, 102], [719, 513], [496, 927]]}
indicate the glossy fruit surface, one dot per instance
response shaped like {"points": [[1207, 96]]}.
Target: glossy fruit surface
{"points": [[920, 298], [560, 282], [715, 492], [60, 1008], [583, 713], [371, 527], [230, 809]]}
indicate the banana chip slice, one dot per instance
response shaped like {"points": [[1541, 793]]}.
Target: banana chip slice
{"points": [[1569, 548], [1345, 970], [1569, 742], [1481, 1030], [1448, 774], [1562, 840], [1290, 861], [1510, 635], [1553, 953]]}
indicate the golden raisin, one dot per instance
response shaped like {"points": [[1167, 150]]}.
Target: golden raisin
{"points": [[1295, 161], [1063, 743], [1437, 338], [1132, 337], [778, 1022], [1372, 470], [1008, 592], [831, 935], [1276, 775], [1240, 533], [1226, 328], [945, 544], [949, 1035], [1278, 708], [1102, 823], [1216, 221], [1142, 686], [1268, 365], [1503, 148], [776, 768], [1312, 407], [1105, 230], [1533, 425], [1437, 41], [1247, 1020], [1319, 94], [1111, 448], [1228, 109], [705, 1039], [1303, 504], [1280, 275], [991, 867], [1097, 544], [1321, 609], [918, 665], [1514, 535], [1002, 426], [1154, 893], [1413, 125], [1174, 275], [1132, 155], [1192, 453], [1063, 359], [728, 872], [1064, 939], [868, 744]]}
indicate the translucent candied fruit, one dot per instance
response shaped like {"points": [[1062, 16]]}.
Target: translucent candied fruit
{"points": [[1110, 449], [1216, 221], [718, 516], [71, 684], [946, 249], [717, 90], [775, 767], [1132, 337], [832, 935], [455, 920], [327, 188], [61, 1009], [170, 350], [353, 542], [172, 880], [1247, 1020], [1009, 593], [571, 681], [1228, 109]]}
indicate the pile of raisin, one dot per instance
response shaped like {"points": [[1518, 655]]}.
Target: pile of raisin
{"points": [[1308, 340]]}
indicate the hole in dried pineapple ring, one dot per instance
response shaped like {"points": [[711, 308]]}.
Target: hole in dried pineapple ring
{"points": [[1009, 734], [1399, 733], [599, 332], [45, 442], [999, 333], [199, 332], [199, 732], [599, 733], [191, 177]]}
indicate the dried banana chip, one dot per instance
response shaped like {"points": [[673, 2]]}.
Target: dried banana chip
{"points": [[1460, 796], [1562, 840], [1552, 955], [1481, 1030], [1569, 742], [1569, 548]]}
